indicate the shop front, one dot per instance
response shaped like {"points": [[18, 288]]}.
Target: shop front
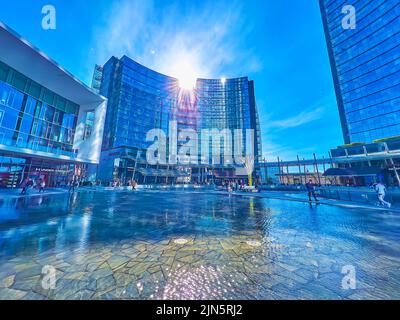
{"points": [[55, 173]]}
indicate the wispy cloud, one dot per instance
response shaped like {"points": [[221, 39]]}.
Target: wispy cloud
{"points": [[297, 120], [210, 37], [272, 150], [278, 139]]}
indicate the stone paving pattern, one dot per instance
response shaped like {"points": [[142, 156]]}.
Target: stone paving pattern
{"points": [[288, 263]]}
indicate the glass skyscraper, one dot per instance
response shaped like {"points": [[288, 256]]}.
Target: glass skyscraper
{"points": [[365, 63], [229, 104], [140, 99]]}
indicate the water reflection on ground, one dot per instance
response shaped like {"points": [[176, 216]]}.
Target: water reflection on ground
{"points": [[186, 245]]}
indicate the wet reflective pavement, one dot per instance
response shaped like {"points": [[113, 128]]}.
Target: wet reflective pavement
{"points": [[186, 245]]}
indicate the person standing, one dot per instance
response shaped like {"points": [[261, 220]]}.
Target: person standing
{"points": [[42, 185], [72, 185], [381, 191], [24, 185], [311, 191]]}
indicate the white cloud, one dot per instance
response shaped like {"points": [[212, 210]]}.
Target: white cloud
{"points": [[211, 38], [297, 120], [279, 141], [272, 150]]}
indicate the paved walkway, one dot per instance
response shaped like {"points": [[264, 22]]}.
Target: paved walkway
{"points": [[16, 193], [279, 195], [195, 245], [304, 198]]}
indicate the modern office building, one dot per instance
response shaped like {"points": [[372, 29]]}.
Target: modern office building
{"points": [[365, 61], [229, 104], [51, 124], [140, 99], [96, 80]]}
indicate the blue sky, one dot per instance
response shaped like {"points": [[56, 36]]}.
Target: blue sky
{"points": [[278, 44]]}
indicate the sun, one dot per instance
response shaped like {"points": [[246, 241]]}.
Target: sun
{"points": [[187, 81], [185, 69]]}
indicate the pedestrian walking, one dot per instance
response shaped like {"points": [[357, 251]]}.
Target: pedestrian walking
{"points": [[310, 186], [380, 189]]}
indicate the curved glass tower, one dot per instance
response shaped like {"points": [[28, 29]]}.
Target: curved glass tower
{"points": [[365, 63], [140, 99]]}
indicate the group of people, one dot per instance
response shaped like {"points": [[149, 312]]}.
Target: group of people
{"points": [[231, 186], [40, 185], [28, 183], [116, 183]]}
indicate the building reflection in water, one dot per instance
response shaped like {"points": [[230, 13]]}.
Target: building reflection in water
{"points": [[79, 220]]}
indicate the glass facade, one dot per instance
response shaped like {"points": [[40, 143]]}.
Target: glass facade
{"points": [[33, 117], [140, 99], [229, 104], [96, 80], [14, 169], [51, 124], [366, 67]]}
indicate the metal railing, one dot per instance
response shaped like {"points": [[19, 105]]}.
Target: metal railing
{"points": [[359, 194]]}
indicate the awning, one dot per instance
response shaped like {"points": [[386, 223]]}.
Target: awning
{"points": [[353, 172]]}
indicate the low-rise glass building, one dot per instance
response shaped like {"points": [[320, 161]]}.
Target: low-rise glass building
{"points": [[362, 164], [51, 124]]}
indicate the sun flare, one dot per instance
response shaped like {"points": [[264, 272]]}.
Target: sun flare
{"points": [[186, 71]]}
